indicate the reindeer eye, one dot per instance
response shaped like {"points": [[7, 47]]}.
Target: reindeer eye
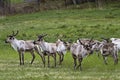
{"points": [[11, 38], [38, 40]]}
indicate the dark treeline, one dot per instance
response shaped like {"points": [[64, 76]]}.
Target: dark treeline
{"points": [[7, 6]]}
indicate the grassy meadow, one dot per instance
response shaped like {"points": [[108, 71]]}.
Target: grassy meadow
{"points": [[67, 25]]}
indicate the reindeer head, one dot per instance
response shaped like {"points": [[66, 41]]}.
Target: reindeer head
{"points": [[11, 37], [87, 46], [40, 38], [66, 44], [106, 40]]}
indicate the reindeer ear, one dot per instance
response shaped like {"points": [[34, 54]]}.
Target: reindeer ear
{"points": [[59, 40], [65, 42], [81, 42]]}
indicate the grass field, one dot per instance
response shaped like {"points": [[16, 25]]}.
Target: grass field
{"points": [[67, 25]]}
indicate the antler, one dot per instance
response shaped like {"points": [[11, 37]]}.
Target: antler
{"points": [[80, 42], [91, 40], [14, 33], [41, 36], [107, 39]]}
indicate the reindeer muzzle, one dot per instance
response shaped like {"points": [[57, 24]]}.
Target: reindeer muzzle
{"points": [[6, 41]]}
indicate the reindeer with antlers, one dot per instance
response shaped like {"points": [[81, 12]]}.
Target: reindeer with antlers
{"points": [[49, 49], [108, 48], [21, 46], [80, 50]]}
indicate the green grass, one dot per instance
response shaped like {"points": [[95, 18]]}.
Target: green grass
{"points": [[64, 24]]}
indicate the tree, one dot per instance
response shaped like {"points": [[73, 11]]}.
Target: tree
{"points": [[1, 3], [5, 3], [5, 6], [38, 1], [71, 2], [100, 3]]}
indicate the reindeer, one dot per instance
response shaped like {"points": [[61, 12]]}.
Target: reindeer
{"points": [[62, 47], [96, 47], [48, 49], [116, 41], [95, 44], [21, 46], [79, 51], [109, 48]]}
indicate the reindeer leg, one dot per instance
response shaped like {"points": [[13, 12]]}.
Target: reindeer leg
{"points": [[55, 58], [97, 53], [43, 59], [105, 59], [59, 58], [115, 58], [62, 57], [48, 61], [33, 56], [40, 54], [80, 61], [75, 62], [22, 58]]}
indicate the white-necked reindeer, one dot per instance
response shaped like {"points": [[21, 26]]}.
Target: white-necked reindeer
{"points": [[79, 51], [61, 49], [21, 46], [48, 49]]}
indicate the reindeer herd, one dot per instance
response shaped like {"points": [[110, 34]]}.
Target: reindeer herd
{"points": [[79, 49]]}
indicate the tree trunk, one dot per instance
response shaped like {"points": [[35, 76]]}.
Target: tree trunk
{"points": [[74, 2], [2, 3], [88, 4], [100, 3], [5, 6], [38, 2]]}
